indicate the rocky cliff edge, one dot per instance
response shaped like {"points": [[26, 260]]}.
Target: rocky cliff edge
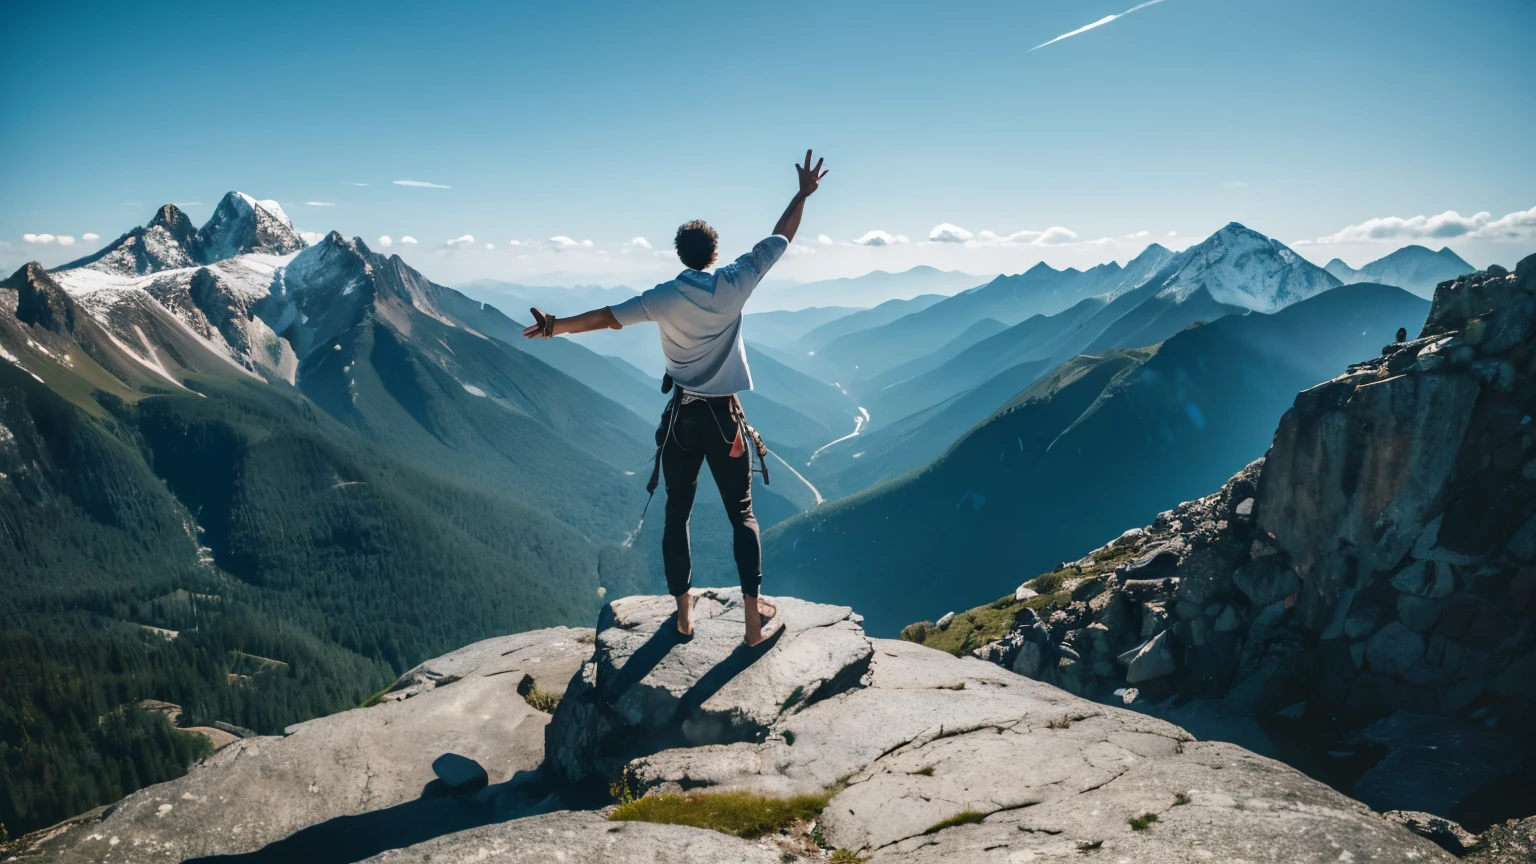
{"points": [[926, 757]]}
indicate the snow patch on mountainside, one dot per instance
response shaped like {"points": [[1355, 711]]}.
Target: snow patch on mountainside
{"points": [[273, 208], [1241, 267]]}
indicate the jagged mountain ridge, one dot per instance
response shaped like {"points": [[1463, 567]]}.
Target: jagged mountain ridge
{"points": [[1412, 268], [239, 225]]}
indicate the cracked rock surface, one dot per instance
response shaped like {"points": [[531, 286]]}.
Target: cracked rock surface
{"points": [[928, 757], [260, 790], [927, 737], [646, 689], [587, 838]]}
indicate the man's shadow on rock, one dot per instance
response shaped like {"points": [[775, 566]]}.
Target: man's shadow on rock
{"points": [[458, 800], [683, 727]]}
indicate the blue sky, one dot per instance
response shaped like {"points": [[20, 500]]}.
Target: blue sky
{"points": [[604, 122]]}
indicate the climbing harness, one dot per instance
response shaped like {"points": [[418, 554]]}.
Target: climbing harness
{"points": [[665, 434]]}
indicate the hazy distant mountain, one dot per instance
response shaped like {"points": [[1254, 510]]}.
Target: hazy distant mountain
{"points": [[1411, 268], [1041, 290], [884, 313], [868, 290], [1102, 442], [785, 328]]}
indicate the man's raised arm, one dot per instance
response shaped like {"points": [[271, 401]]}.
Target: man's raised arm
{"points": [[789, 223]]}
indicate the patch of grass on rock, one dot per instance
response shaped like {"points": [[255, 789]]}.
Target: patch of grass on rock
{"points": [[965, 817], [537, 699], [743, 814], [1142, 822]]}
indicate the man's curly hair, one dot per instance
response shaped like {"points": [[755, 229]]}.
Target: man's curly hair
{"points": [[696, 243]]}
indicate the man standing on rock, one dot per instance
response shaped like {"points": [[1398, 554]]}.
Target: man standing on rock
{"points": [[699, 315]]}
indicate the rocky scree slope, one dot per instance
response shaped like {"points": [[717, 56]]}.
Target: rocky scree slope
{"points": [[1380, 558], [925, 757]]}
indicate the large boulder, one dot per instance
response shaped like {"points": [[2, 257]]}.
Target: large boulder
{"points": [[645, 689], [459, 710]]}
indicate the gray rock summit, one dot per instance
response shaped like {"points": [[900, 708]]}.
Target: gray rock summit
{"points": [[924, 757]]}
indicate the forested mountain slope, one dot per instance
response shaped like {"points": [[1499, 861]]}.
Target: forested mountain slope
{"points": [[1097, 443]]}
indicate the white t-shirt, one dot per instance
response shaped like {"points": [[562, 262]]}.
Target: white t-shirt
{"points": [[699, 315]]}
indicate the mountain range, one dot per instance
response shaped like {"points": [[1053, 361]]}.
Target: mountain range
{"points": [[260, 478], [1412, 268]]}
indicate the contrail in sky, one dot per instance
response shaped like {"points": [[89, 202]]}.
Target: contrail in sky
{"points": [[1099, 23]]}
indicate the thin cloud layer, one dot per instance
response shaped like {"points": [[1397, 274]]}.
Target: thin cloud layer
{"points": [[1450, 225], [1099, 23], [320, 203], [560, 242], [421, 184]]}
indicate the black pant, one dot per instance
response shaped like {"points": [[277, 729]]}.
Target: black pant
{"points": [[704, 430]]}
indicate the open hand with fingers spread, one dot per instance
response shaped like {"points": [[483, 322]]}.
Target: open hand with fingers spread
{"points": [[810, 177]]}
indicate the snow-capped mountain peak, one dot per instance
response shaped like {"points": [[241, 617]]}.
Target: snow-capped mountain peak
{"points": [[242, 224], [1241, 267]]}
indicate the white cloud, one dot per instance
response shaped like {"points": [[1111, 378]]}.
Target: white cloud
{"points": [[1173, 233], [310, 238], [947, 233], [490, 245], [1053, 236], [797, 249], [38, 238], [188, 203], [66, 240], [880, 238], [386, 241], [320, 203], [823, 239], [1099, 23], [408, 240], [1450, 225], [350, 183], [514, 242], [421, 184], [640, 243], [560, 242], [89, 236], [459, 241]]}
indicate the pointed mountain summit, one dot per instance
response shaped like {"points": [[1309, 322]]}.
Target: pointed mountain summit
{"points": [[167, 242], [1411, 268], [241, 224], [1238, 266]]}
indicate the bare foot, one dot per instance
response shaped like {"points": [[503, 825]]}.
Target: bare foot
{"points": [[758, 629], [685, 603]]}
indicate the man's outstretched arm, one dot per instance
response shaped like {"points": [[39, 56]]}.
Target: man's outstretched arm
{"points": [[545, 326], [789, 223]]}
